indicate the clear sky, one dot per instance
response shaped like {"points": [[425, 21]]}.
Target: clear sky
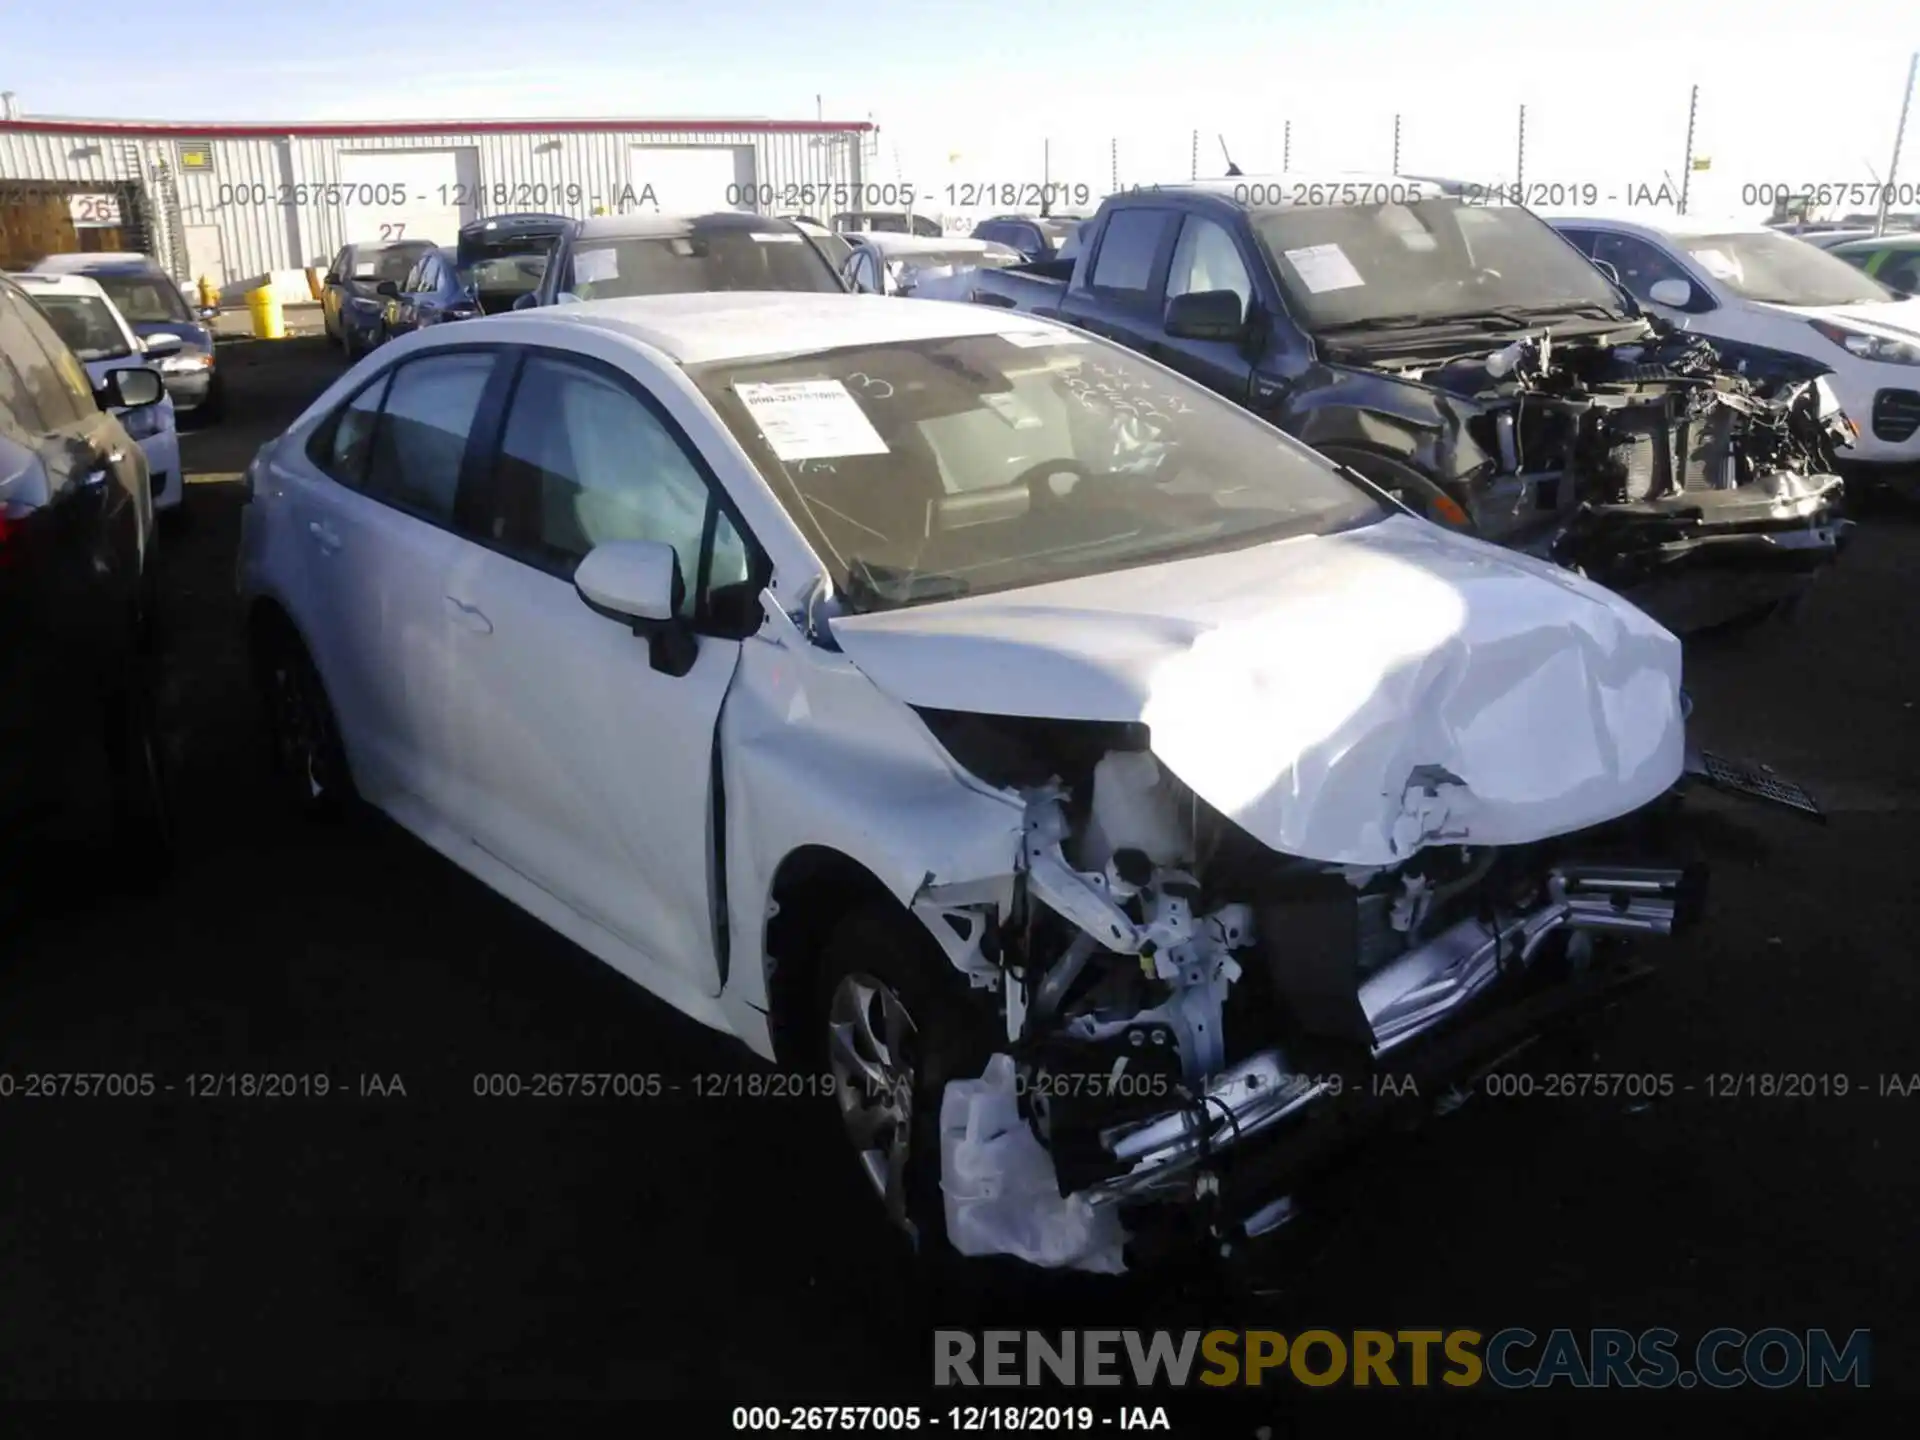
{"points": [[967, 90]]}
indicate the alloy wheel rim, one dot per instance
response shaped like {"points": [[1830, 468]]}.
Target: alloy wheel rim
{"points": [[871, 1044]]}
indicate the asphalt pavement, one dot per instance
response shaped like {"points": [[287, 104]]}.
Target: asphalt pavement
{"points": [[405, 1238]]}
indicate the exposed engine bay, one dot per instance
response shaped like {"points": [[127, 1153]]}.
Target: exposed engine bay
{"points": [[1619, 459], [1172, 988]]}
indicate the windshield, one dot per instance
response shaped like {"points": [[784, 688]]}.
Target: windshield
{"points": [[1347, 265], [1780, 270], [145, 299], [927, 469], [86, 323], [387, 262], [505, 274], [731, 259]]}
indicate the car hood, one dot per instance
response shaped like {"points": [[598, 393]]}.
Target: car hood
{"points": [[1348, 698], [189, 333], [1894, 319]]}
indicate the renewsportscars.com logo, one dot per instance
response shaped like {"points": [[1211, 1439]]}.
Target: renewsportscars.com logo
{"points": [[1514, 1358]]}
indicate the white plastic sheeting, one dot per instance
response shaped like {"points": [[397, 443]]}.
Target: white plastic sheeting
{"points": [[1002, 1193]]}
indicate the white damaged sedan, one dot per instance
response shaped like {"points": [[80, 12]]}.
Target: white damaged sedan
{"points": [[1097, 783]]}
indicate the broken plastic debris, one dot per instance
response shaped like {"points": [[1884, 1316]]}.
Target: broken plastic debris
{"points": [[1002, 1192]]}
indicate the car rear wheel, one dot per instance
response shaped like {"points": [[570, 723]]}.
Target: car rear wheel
{"points": [[309, 760]]}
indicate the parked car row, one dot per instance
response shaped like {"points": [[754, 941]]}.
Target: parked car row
{"points": [[150, 301], [957, 702]]}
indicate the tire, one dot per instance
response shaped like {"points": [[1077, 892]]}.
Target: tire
{"points": [[309, 761], [879, 958]]}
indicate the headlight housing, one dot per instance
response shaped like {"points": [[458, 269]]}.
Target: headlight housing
{"points": [[1867, 346], [186, 362]]}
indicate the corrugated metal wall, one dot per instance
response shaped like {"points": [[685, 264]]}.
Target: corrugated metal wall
{"points": [[246, 195]]}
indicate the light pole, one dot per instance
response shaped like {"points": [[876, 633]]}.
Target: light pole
{"points": [[1893, 166]]}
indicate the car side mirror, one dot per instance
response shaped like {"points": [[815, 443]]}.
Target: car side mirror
{"points": [[1206, 315], [639, 582], [526, 301], [1674, 294], [131, 387], [388, 288], [1605, 267], [161, 344]]}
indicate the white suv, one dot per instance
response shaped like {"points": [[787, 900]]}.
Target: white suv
{"points": [[970, 711], [1757, 293]]}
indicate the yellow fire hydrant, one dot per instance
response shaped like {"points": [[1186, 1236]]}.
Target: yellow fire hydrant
{"points": [[209, 293], [269, 321]]}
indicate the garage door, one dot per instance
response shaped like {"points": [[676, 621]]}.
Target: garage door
{"points": [[408, 194], [689, 179]]}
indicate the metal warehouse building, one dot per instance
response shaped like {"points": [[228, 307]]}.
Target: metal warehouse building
{"points": [[248, 204]]}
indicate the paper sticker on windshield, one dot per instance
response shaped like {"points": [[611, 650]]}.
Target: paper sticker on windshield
{"points": [[1032, 339], [1324, 267], [811, 420], [1717, 263], [775, 239], [591, 266]]}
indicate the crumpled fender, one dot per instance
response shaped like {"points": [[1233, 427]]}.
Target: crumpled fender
{"points": [[812, 753], [1334, 407]]}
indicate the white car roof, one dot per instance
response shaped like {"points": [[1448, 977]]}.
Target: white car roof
{"points": [[66, 264], [891, 243], [1661, 222], [625, 227], [756, 324], [60, 284]]}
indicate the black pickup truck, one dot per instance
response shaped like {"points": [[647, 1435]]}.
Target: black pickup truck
{"points": [[1463, 356]]}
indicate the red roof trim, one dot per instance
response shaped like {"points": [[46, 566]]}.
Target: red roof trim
{"points": [[347, 130]]}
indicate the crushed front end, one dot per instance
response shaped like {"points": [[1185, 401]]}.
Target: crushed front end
{"points": [[1196, 1023], [1653, 468]]}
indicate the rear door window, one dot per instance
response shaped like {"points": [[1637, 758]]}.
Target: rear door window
{"points": [[421, 441]]}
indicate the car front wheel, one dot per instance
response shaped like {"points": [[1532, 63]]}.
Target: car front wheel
{"points": [[896, 1023]]}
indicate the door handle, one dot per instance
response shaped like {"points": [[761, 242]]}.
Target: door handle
{"points": [[470, 616], [324, 536]]}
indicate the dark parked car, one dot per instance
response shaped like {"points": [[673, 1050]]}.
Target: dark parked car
{"points": [[615, 255], [153, 304], [77, 594], [351, 305], [1893, 260], [1037, 237], [486, 274], [1469, 361]]}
